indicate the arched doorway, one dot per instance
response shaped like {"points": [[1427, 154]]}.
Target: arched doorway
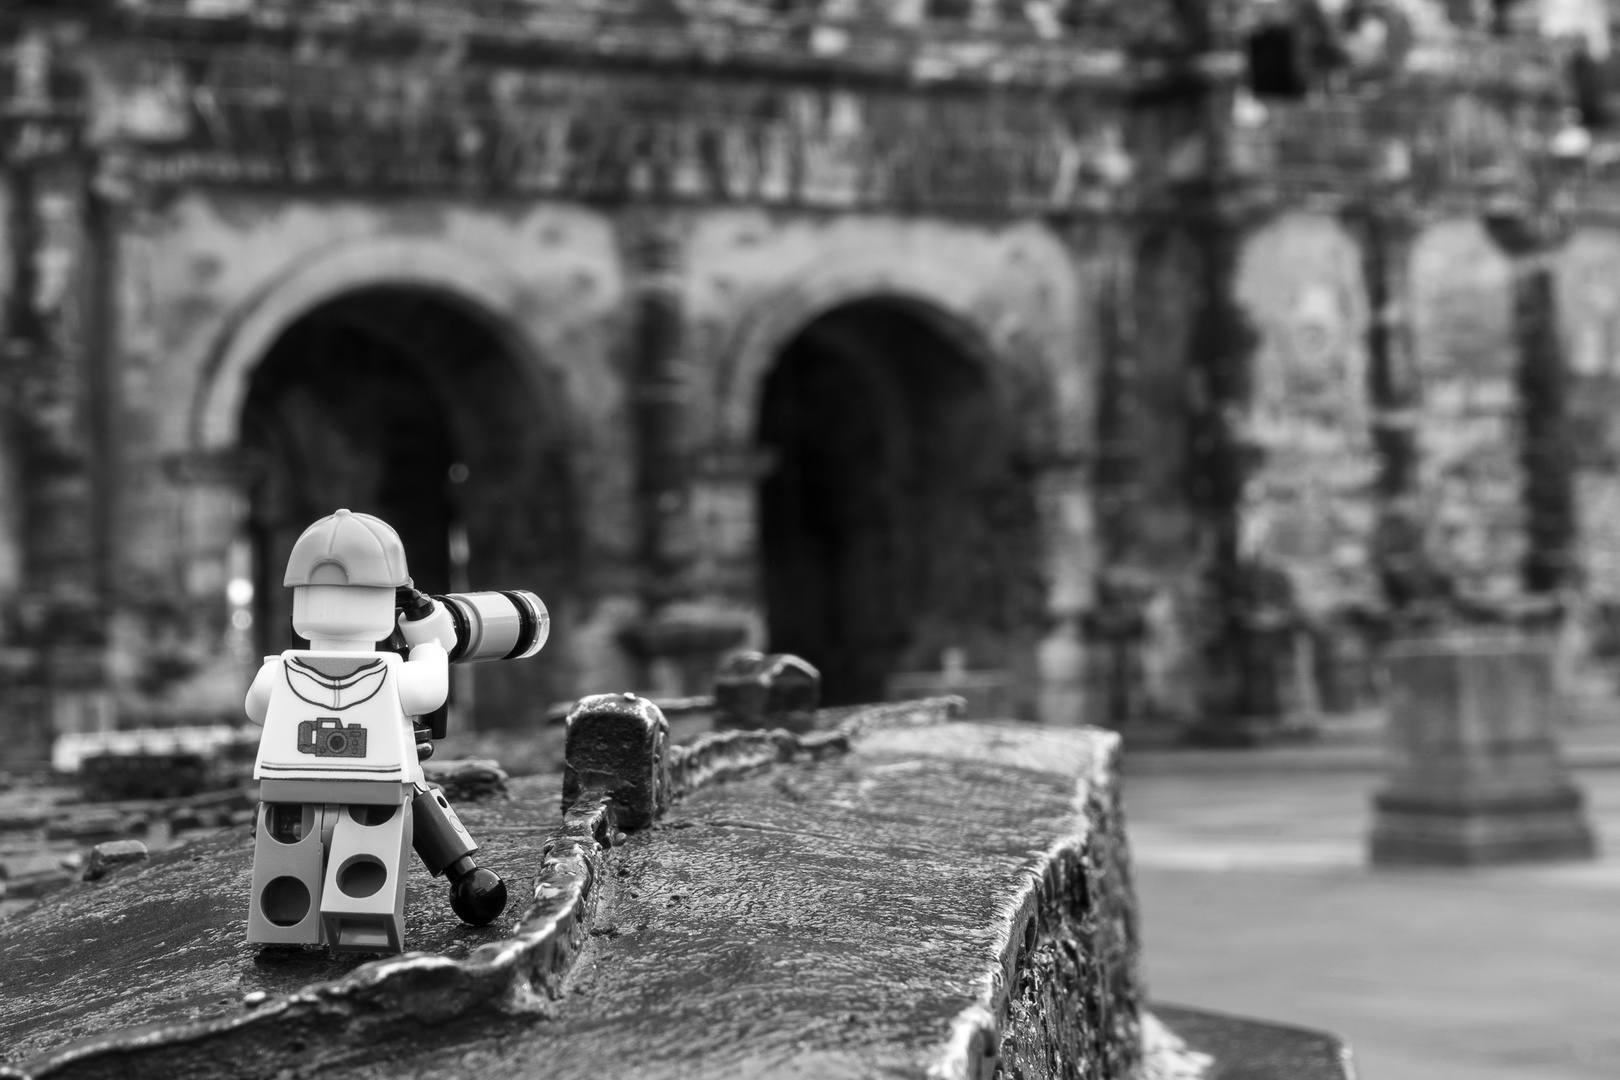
{"points": [[896, 521], [405, 403]]}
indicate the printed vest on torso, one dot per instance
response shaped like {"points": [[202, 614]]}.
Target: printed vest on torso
{"points": [[337, 716]]}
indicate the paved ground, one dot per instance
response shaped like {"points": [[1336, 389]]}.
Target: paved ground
{"points": [[1256, 900]]}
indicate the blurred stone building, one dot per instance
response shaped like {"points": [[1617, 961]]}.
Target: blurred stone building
{"points": [[1148, 351]]}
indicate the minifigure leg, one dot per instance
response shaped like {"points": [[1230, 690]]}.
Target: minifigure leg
{"points": [[363, 900], [284, 905]]}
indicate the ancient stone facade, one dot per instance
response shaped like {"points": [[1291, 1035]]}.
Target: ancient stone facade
{"points": [[1145, 350]]}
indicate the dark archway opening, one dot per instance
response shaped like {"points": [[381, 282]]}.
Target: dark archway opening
{"points": [[896, 522], [402, 403]]}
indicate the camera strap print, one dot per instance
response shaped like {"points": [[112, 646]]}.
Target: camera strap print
{"points": [[335, 716]]}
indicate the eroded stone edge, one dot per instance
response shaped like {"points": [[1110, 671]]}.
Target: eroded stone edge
{"points": [[972, 1049], [378, 998], [724, 755], [515, 974]]}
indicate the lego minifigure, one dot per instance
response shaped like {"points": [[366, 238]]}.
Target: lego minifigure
{"points": [[341, 783]]}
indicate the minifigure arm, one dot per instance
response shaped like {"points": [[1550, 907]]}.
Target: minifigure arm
{"points": [[258, 695], [424, 679], [424, 619]]}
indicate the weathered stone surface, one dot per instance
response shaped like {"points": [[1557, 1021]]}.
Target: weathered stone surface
{"points": [[755, 690], [92, 825], [617, 749], [467, 780], [884, 910], [1244, 1049], [40, 881], [175, 926], [109, 856], [872, 914]]}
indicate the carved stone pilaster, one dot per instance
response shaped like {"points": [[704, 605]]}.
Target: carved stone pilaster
{"points": [[681, 635], [659, 387], [1064, 497], [1530, 241], [725, 520], [1475, 774], [1105, 643], [50, 392], [1116, 474], [1246, 625], [1387, 235]]}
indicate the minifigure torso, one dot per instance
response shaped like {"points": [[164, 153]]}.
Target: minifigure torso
{"points": [[336, 716]]}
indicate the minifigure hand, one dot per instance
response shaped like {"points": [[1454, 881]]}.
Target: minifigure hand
{"points": [[436, 627]]}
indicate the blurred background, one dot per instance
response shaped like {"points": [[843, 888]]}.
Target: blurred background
{"points": [[1157, 364], [1136, 357]]}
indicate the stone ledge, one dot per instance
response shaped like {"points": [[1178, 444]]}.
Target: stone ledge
{"points": [[725, 755], [1192, 1044], [1074, 917], [392, 996]]}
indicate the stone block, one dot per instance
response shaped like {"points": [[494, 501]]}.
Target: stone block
{"points": [[1475, 773], [468, 779], [617, 746], [107, 857], [755, 691]]}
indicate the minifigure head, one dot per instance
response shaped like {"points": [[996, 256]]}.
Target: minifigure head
{"points": [[343, 571]]}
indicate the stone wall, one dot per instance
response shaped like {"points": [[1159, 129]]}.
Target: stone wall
{"points": [[1175, 295], [214, 279], [211, 280]]}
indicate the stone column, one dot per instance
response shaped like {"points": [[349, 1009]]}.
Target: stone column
{"points": [[54, 399], [1246, 626], [659, 385], [212, 485], [725, 522], [1112, 630], [60, 610], [679, 639], [1387, 235], [1473, 695], [1063, 492], [1531, 241]]}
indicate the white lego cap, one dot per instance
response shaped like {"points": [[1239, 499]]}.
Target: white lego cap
{"points": [[346, 548]]}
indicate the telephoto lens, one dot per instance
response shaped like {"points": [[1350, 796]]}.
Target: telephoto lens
{"points": [[507, 625]]}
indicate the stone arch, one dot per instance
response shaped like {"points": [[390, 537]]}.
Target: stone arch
{"points": [[898, 520], [1300, 281], [479, 288], [1309, 510], [945, 300], [440, 409]]}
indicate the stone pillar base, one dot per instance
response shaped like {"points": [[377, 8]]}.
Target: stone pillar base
{"points": [[1475, 771], [1412, 830]]}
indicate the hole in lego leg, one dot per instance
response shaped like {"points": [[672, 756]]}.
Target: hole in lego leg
{"points": [[285, 901], [361, 876], [372, 815], [288, 823], [362, 934]]}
